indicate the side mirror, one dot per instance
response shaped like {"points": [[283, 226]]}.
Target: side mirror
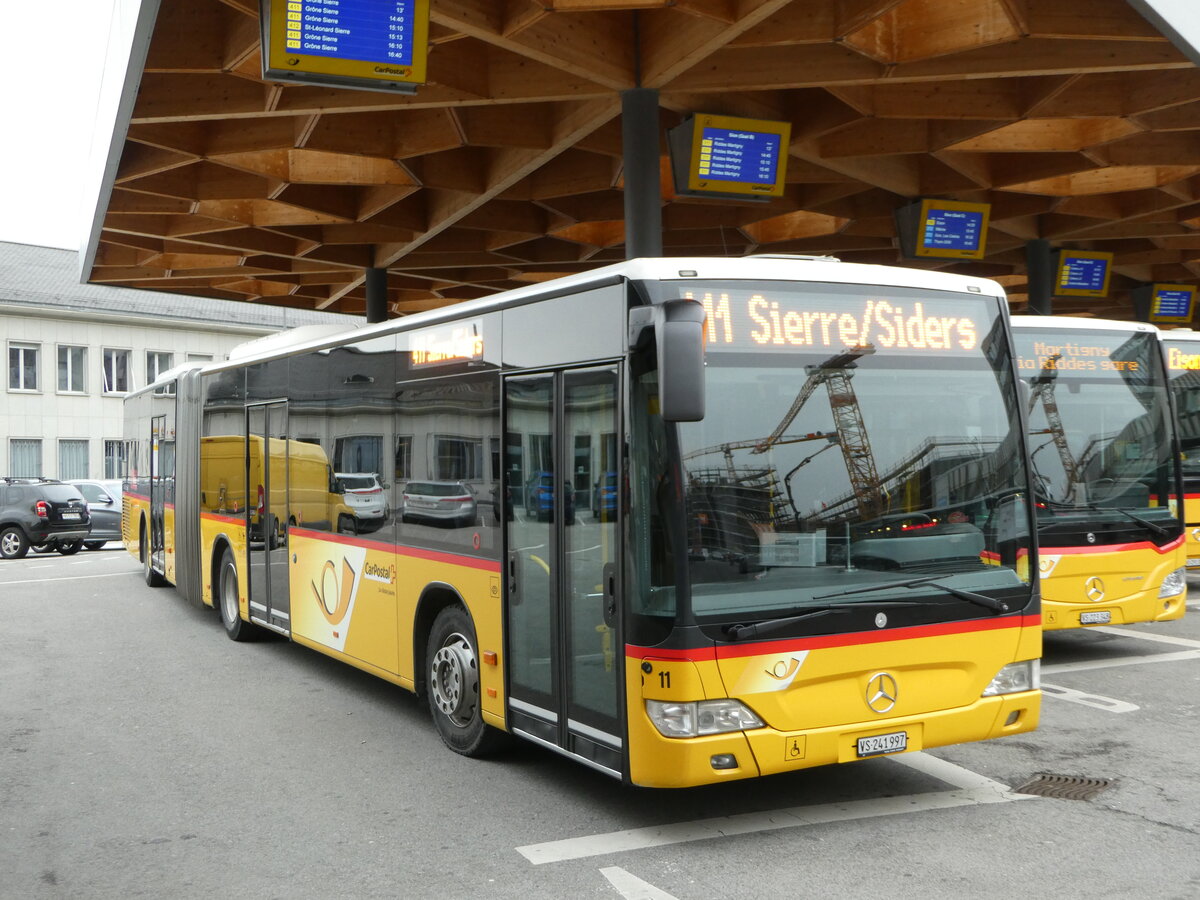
{"points": [[678, 330]]}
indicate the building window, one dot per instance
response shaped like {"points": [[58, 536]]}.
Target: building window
{"points": [[199, 357], [156, 364], [358, 453], [72, 367], [116, 459], [458, 459], [25, 457], [404, 457], [72, 459], [116, 371], [23, 367]]}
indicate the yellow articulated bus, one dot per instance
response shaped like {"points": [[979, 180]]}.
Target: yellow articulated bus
{"points": [[682, 520], [1182, 348], [1105, 459]]}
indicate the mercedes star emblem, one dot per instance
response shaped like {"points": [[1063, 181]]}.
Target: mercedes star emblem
{"points": [[882, 692], [1094, 588]]}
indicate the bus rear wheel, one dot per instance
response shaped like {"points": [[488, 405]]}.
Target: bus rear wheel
{"points": [[236, 629], [454, 686], [152, 578]]}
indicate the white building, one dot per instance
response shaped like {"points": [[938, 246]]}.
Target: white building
{"points": [[74, 350]]}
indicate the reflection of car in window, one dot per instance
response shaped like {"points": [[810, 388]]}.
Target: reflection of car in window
{"points": [[539, 497], [451, 502], [365, 496], [604, 495]]}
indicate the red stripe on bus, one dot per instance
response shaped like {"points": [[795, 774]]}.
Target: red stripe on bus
{"points": [[218, 517], [824, 642], [473, 562], [1114, 548]]}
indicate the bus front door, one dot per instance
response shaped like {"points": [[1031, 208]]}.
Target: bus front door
{"points": [[268, 512], [561, 477]]}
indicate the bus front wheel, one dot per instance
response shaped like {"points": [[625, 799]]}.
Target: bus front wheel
{"points": [[227, 601], [151, 577], [454, 686]]}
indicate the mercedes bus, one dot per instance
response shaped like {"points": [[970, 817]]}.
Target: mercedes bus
{"points": [[817, 546], [1182, 348], [1105, 460]]}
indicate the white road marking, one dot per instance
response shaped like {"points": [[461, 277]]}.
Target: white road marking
{"points": [[971, 790], [70, 578], [1145, 636], [1117, 661], [633, 888], [1094, 700]]}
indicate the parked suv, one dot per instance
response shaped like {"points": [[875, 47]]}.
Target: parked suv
{"points": [[41, 511]]}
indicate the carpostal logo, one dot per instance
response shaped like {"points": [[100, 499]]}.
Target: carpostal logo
{"points": [[382, 574], [335, 595], [335, 584]]}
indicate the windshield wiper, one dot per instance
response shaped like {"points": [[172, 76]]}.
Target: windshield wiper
{"points": [[970, 596], [754, 629], [1145, 523]]}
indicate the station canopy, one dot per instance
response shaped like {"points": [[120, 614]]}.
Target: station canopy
{"points": [[1078, 122]]}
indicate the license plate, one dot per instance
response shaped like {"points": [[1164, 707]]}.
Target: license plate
{"points": [[878, 744], [70, 515], [422, 504], [1100, 617], [1193, 562]]}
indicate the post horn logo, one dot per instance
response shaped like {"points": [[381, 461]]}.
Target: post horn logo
{"points": [[1094, 588], [332, 598], [882, 692]]}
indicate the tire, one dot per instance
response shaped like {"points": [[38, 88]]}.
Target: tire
{"points": [[70, 548], [226, 588], [453, 687], [94, 545], [13, 543], [41, 548], [152, 578]]}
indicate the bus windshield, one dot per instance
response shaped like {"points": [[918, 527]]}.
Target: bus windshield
{"points": [[1183, 367], [1099, 428], [861, 445]]}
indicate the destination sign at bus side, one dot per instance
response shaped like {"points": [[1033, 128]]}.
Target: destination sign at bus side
{"points": [[791, 321], [446, 344], [1180, 360]]}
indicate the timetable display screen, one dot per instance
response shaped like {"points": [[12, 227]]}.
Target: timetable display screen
{"points": [[1082, 274], [1172, 303], [367, 44], [729, 156], [733, 155], [952, 229], [943, 229]]}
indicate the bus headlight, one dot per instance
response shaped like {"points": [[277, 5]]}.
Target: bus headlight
{"points": [[1016, 677], [685, 720], [1173, 584]]}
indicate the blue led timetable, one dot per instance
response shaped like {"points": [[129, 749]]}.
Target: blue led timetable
{"points": [[1079, 274], [952, 229], [367, 30], [743, 156], [1173, 304]]}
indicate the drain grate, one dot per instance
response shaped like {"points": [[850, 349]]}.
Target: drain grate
{"points": [[1064, 787]]}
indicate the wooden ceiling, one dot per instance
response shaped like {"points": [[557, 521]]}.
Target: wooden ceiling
{"points": [[1075, 119]]}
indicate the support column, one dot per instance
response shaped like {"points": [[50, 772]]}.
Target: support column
{"points": [[377, 308], [1041, 276], [643, 195]]}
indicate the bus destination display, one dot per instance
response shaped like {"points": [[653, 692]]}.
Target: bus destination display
{"points": [[787, 321], [1082, 274], [370, 44]]}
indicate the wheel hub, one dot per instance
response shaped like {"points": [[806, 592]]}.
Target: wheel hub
{"points": [[454, 679]]}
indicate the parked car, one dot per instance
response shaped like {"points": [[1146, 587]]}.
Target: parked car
{"points": [[41, 511], [364, 495], [539, 497], [439, 501], [604, 496], [104, 502]]}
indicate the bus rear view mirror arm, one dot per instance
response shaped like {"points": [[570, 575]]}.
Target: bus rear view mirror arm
{"points": [[677, 328]]}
